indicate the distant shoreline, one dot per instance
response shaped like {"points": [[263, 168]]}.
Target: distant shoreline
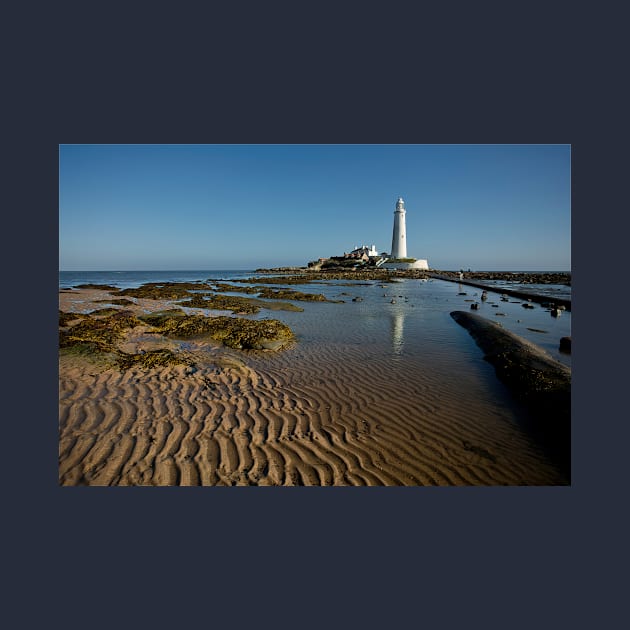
{"points": [[537, 277]]}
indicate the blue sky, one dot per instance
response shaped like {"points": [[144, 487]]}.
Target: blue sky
{"points": [[171, 207]]}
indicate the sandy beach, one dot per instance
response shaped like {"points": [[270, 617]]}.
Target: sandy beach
{"points": [[306, 415]]}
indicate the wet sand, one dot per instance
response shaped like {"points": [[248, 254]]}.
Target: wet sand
{"points": [[311, 415]]}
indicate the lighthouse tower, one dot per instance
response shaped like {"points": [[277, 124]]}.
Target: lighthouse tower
{"points": [[399, 238]]}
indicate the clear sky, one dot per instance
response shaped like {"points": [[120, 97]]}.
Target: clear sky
{"points": [[177, 207]]}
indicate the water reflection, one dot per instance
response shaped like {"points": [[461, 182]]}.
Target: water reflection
{"points": [[397, 318]]}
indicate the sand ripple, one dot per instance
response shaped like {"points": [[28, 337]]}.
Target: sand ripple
{"points": [[288, 420]]}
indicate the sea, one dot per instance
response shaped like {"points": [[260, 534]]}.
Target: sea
{"points": [[400, 310]]}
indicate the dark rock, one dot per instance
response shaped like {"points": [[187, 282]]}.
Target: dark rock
{"points": [[561, 278], [565, 345], [542, 384]]}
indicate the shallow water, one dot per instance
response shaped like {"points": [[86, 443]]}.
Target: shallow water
{"points": [[410, 367], [560, 291], [420, 317], [398, 392]]}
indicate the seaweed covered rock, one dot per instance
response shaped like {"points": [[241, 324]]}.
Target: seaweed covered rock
{"points": [[236, 304], [234, 332], [290, 294], [119, 302], [101, 334], [238, 333], [299, 279], [565, 345], [161, 357], [158, 318], [103, 287], [222, 303], [222, 286], [164, 290], [536, 379], [101, 312], [103, 337], [66, 318]]}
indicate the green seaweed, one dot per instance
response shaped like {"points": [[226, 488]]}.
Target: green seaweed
{"points": [[222, 303], [103, 333], [234, 332], [119, 302], [221, 286], [105, 287], [161, 357], [91, 351], [277, 305], [99, 338], [290, 294], [164, 290], [236, 304], [65, 318], [244, 333], [276, 280], [158, 318], [104, 311]]}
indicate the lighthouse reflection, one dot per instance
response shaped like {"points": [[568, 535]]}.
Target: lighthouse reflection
{"points": [[397, 318]]}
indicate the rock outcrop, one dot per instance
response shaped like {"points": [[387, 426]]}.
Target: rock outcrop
{"points": [[542, 384]]}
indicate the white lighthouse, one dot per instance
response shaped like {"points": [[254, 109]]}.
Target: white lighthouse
{"points": [[399, 244], [399, 238]]}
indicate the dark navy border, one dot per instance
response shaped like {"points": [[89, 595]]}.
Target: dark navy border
{"points": [[392, 557]]}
